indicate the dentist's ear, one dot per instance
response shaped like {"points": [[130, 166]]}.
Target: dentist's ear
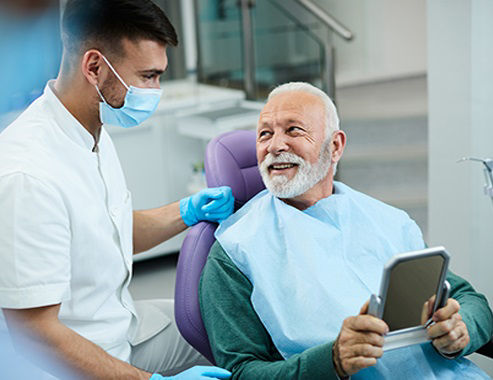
{"points": [[92, 67], [337, 145]]}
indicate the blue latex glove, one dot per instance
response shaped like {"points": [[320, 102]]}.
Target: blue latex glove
{"points": [[197, 373], [214, 204]]}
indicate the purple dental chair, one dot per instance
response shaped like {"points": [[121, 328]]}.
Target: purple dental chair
{"points": [[230, 160]]}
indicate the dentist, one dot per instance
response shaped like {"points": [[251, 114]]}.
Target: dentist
{"points": [[67, 228]]}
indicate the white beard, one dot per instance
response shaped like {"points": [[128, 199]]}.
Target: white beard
{"points": [[307, 175]]}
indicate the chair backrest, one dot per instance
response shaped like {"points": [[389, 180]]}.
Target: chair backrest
{"points": [[230, 160]]}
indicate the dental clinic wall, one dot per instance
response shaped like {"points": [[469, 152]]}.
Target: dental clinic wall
{"points": [[460, 77], [389, 39]]}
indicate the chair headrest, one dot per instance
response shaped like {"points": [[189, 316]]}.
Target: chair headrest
{"points": [[231, 159]]}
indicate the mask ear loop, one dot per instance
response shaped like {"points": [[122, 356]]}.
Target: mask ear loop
{"points": [[114, 72], [100, 94]]}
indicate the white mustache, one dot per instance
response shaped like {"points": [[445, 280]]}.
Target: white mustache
{"points": [[284, 158]]}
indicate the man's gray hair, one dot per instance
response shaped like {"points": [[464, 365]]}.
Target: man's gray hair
{"points": [[330, 108]]}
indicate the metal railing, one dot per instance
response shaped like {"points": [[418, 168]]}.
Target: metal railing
{"points": [[330, 21], [248, 49], [327, 53]]}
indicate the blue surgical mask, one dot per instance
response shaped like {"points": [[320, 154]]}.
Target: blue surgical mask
{"points": [[139, 105]]}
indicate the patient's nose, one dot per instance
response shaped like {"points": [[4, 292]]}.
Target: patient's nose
{"points": [[278, 144]]}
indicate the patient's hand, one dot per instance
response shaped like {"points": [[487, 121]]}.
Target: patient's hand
{"points": [[449, 333], [359, 343]]}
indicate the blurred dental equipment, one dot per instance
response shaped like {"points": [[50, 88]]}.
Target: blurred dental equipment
{"points": [[31, 49]]}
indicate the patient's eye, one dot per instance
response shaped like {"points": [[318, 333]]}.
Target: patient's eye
{"points": [[295, 128], [263, 134]]}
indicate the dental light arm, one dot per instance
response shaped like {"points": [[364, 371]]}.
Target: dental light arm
{"points": [[488, 173]]}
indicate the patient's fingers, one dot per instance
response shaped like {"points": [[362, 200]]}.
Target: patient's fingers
{"points": [[449, 339], [359, 343], [373, 339], [355, 338], [457, 346], [364, 350], [444, 327], [358, 363], [361, 362], [454, 340], [364, 308], [368, 323], [427, 309], [424, 313], [452, 307], [350, 356]]}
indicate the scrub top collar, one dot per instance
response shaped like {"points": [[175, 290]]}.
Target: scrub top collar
{"points": [[68, 123]]}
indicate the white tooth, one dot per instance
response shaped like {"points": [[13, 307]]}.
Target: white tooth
{"points": [[285, 166]]}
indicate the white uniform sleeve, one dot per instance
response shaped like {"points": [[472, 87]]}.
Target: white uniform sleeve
{"points": [[34, 244]]}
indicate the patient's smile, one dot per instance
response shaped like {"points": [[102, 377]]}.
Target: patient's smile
{"points": [[281, 168]]}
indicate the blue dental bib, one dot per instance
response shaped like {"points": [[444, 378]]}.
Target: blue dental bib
{"points": [[312, 269]]}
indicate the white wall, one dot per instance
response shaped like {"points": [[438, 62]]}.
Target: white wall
{"points": [[390, 39], [460, 78]]}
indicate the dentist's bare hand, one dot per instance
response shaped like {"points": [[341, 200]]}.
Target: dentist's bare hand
{"points": [[359, 344], [449, 333]]}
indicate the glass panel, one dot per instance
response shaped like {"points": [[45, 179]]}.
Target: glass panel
{"points": [[287, 48], [219, 38]]}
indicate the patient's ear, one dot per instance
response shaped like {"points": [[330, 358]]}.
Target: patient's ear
{"points": [[337, 144]]}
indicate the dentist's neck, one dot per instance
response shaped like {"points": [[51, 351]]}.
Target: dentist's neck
{"points": [[79, 98]]}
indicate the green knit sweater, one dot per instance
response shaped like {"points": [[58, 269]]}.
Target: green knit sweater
{"points": [[241, 344]]}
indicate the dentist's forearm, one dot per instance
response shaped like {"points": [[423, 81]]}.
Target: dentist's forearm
{"points": [[39, 335], [152, 227]]}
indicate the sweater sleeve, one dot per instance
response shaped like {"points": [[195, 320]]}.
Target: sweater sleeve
{"points": [[239, 341], [474, 311]]}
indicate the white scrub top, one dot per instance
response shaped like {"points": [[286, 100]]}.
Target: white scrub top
{"points": [[66, 225]]}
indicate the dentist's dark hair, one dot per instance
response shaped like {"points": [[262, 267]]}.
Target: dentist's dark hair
{"points": [[103, 24]]}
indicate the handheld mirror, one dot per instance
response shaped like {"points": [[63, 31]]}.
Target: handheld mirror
{"points": [[408, 281]]}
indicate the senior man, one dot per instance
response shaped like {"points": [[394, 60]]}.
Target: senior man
{"points": [[67, 230], [282, 291]]}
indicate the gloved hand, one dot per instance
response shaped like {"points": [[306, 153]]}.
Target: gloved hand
{"points": [[213, 204], [197, 373]]}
